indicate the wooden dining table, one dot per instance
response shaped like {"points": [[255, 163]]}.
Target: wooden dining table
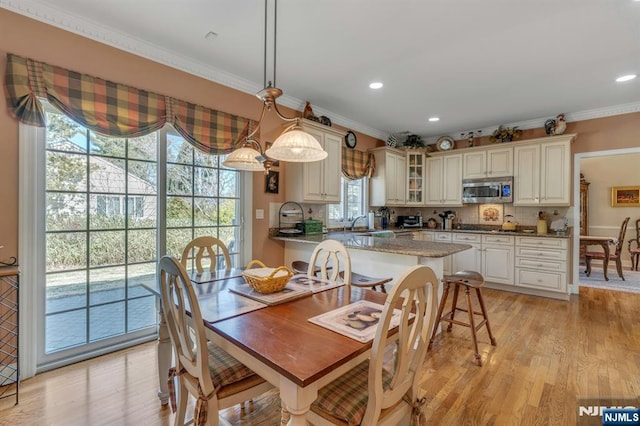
{"points": [[279, 343], [604, 242]]}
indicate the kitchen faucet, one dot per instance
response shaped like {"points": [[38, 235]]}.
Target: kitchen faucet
{"points": [[353, 223]]}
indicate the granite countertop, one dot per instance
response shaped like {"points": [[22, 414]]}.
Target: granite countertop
{"points": [[387, 245]]}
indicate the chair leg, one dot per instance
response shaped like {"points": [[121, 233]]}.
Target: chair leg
{"points": [[619, 267], [472, 324], [587, 262]]}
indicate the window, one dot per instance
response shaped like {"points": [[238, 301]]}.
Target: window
{"points": [[109, 215], [354, 201]]}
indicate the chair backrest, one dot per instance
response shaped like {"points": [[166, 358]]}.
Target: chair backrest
{"points": [[623, 231], [416, 290], [186, 332], [638, 232], [332, 257], [210, 246]]}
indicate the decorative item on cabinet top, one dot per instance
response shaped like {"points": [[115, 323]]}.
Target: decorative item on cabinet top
{"points": [[505, 134], [555, 126]]}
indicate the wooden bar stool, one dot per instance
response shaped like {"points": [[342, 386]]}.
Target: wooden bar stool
{"points": [[469, 280]]}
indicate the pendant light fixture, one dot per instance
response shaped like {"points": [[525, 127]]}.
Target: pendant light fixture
{"points": [[293, 145]]}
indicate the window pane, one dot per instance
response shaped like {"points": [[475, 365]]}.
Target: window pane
{"points": [[66, 250], [142, 177], [107, 248], [228, 183], [108, 175], [141, 245], [205, 182], [66, 172], [107, 211], [66, 211], [64, 134], [206, 212], [144, 273], [66, 291], [179, 150], [106, 285], [228, 212], [103, 145], [204, 159], [106, 321], [141, 313], [179, 212], [143, 212], [179, 180], [177, 240], [65, 330], [144, 147]]}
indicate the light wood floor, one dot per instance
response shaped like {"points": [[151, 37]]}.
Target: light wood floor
{"points": [[549, 354]]}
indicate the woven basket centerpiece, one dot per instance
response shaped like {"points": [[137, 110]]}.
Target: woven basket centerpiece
{"points": [[266, 280]]}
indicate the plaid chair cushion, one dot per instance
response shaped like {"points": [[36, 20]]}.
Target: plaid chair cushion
{"points": [[346, 397], [224, 368]]}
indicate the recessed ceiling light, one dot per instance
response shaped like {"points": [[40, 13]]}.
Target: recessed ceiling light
{"points": [[626, 77], [376, 85], [434, 119], [211, 35]]}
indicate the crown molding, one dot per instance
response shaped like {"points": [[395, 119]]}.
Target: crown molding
{"points": [[44, 13], [94, 31], [539, 122]]}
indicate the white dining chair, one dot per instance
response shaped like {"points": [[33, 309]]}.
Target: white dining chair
{"points": [[331, 257], [205, 245], [212, 376], [372, 393]]}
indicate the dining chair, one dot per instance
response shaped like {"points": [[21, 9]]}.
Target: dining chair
{"points": [[210, 246], [634, 252], [212, 376], [330, 256], [386, 393], [615, 256]]}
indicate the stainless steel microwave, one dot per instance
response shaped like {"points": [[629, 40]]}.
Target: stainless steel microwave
{"points": [[487, 190]]}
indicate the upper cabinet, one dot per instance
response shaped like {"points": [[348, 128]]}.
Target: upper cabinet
{"points": [[415, 177], [491, 162], [389, 183], [318, 181], [542, 172], [444, 180]]}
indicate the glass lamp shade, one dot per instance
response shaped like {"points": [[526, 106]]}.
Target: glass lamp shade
{"points": [[296, 146], [244, 159]]}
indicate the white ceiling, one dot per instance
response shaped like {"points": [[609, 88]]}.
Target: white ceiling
{"points": [[475, 64]]}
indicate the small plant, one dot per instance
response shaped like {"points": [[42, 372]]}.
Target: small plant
{"points": [[505, 134], [414, 141]]}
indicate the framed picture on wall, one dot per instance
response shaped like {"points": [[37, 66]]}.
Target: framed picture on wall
{"points": [[271, 182], [625, 196]]}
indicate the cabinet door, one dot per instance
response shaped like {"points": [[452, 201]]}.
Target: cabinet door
{"points": [[498, 263], [434, 181], [332, 168], [474, 164], [452, 180], [313, 172], [500, 162], [554, 173], [401, 180], [526, 170], [468, 260], [415, 178]]}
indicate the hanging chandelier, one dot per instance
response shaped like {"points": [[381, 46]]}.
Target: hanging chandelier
{"points": [[293, 145]]}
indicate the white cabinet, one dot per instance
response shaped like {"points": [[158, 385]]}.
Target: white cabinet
{"points": [[542, 172], [415, 177], [491, 255], [389, 183], [318, 181], [443, 237], [444, 180], [493, 162], [541, 263]]}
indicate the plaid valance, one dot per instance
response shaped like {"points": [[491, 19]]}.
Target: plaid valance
{"points": [[114, 109], [357, 164]]}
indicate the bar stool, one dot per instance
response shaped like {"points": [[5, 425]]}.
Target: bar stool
{"points": [[469, 280]]}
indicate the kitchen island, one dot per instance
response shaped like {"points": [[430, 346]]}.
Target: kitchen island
{"points": [[375, 256]]}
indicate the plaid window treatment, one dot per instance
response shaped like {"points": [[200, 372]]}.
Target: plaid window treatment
{"points": [[114, 109], [357, 164]]}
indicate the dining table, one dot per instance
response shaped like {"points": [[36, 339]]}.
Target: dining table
{"points": [[604, 242], [277, 341]]}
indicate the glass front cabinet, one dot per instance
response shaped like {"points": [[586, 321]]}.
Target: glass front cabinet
{"points": [[415, 177]]}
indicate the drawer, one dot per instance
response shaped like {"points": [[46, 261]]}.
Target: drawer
{"points": [[443, 236], [554, 281], [467, 238], [498, 239], [541, 253], [559, 243], [537, 264]]}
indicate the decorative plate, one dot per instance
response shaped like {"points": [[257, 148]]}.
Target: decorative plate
{"points": [[325, 120], [445, 143]]}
